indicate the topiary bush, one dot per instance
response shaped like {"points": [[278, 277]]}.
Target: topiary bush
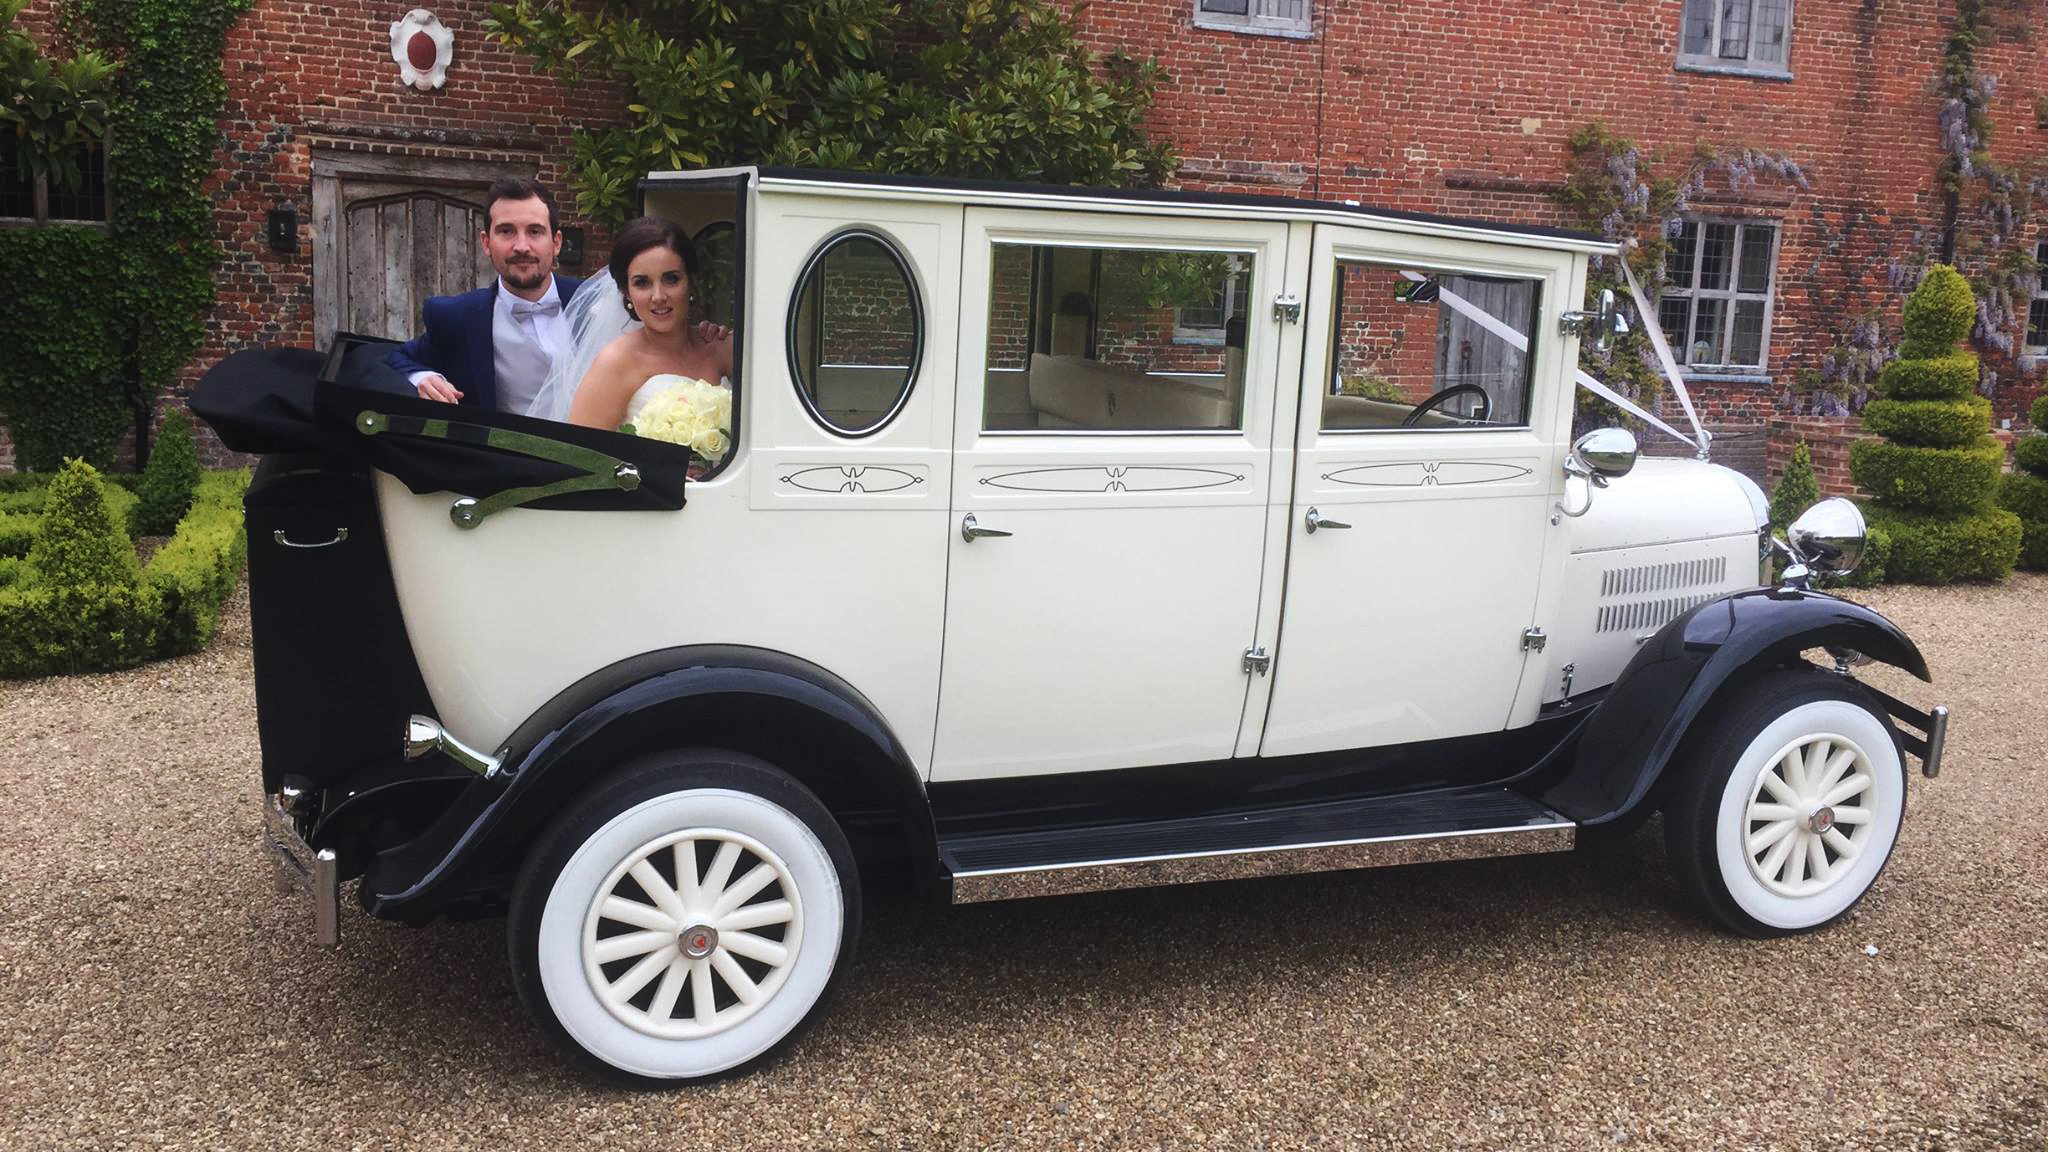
{"points": [[2030, 454], [1928, 479], [167, 484], [1798, 489], [1936, 473], [1935, 423], [81, 604]]}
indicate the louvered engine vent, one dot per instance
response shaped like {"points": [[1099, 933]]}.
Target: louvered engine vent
{"points": [[1673, 577]]}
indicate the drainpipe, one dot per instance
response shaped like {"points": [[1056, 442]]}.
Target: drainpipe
{"points": [[131, 387]]}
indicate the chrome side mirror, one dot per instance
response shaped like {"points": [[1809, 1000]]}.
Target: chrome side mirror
{"points": [[1827, 539], [1601, 326], [1597, 457]]}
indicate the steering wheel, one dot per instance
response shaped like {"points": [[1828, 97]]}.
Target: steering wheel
{"points": [[1454, 391]]}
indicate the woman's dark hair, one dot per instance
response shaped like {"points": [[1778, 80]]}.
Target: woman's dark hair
{"points": [[651, 232]]}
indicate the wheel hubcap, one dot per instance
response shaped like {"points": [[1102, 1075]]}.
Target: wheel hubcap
{"points": [[692, 933], [1809, 815]]}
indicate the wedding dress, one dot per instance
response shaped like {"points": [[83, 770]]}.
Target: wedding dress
{"points": [[596, 316]]}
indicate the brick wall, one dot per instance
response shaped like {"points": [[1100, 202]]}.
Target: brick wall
{"points": [[1827, 442], [1450, 106]]}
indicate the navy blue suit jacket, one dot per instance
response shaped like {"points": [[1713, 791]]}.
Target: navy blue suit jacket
{"points": [[456, 341]]}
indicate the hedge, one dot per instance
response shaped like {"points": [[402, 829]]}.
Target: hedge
{"points": [[48, 627], [17, 532], [1929, 423], [1950, 377], [21, 508], [2026, 496], [2038, 414], [1944, 547], [2030, 453], [1928, 479], [195, 571]]}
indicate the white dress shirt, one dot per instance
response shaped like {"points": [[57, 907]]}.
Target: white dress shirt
{"points": [[548, 329]]}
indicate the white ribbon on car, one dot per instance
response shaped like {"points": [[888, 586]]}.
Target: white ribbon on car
{"points": [[1666, 361]]}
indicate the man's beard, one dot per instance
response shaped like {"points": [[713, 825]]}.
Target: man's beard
{"points": [[526, 275]]}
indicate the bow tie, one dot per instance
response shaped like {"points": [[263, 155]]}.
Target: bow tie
{"points": [[524, 308]]}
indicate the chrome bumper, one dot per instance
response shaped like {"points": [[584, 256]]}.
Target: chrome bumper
{"points": [[297, 867]]}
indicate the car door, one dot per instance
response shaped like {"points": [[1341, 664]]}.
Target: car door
{"points": [[1423, 470], [1113, 440]]}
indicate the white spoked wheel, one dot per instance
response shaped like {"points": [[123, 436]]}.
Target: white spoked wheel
{"points": [[1807, 819], [686, 920], [1793, 806]]}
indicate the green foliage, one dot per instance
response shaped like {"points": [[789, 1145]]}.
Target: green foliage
{"points": [[194, 573], [60, 381], [2030, 454], [1798, 489], [18, 532], [89, 295], [2038, 414], [1929, 423], [1371, 385], [79, 541], [52, 108], [1938, 313], [52, 625], [2026, 495], [980, 88], [1941, 548], [1928, 479], [169, 480]]}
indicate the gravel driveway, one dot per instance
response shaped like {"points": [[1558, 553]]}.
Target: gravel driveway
{"points": [[157, 994]]}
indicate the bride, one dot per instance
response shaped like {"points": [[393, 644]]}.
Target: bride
{"points": [[631, 339]]}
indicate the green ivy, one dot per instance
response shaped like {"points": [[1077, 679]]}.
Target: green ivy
{"points": [[88, 295], [1001, 89]]}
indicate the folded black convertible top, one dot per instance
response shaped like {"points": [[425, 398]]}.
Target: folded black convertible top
{"points": [[270, 401]]}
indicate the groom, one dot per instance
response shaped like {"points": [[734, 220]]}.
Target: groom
{"points": [[493, 347]]}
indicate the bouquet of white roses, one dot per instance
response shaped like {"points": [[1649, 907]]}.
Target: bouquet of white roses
{"points": [[691, 412]]}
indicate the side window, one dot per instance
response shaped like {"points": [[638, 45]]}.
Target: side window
{"points": [[1735, 36], [1097, 339], [855, 333], [2037, 306], [1716, 306], [1413, 349]]}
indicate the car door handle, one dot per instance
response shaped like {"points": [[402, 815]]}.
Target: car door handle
{"points": [[1315, 520], [970, 531]]}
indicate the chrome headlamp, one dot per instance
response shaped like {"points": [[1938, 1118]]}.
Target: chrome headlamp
{"points": [[1826, 539]]}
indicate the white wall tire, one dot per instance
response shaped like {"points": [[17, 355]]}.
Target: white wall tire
{"points": [[1790, 808], [684, 920]]}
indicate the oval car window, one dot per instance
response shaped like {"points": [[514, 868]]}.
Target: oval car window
{"points": [[855, 333]]}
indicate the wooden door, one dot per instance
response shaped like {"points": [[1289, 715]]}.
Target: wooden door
{"points": [[395, 246]]}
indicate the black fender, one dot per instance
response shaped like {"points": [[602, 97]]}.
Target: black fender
{"points": [[1677, 673], [723, 696]]}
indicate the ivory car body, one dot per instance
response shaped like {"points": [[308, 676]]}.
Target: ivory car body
{"points": [[1069, 540]]}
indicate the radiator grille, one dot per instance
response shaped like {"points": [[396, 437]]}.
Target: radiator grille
{"points": [[1674, 576]]}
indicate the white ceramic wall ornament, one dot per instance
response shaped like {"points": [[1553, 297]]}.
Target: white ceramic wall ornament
{"points": [[422, 46]]}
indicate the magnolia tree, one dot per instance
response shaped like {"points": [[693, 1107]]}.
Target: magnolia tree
{"points": [[1000, 89]]}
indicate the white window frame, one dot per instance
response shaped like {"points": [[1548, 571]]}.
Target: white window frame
{"points": [[2040, 293], [1260, 17], [1746, 65], [1682, 349]]}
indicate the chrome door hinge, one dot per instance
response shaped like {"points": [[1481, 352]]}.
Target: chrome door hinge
{"points": [[1256, 660], [1287, 307], [1533, 639]]}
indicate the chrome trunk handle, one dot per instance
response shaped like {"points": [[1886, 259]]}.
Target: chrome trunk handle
{"points": [[278, 535], [970, 531]]}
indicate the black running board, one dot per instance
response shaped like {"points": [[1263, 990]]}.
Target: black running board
{"points": [[1457, 824]]}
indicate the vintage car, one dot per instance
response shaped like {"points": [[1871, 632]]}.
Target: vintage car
{"points": [[1069, 540]]}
